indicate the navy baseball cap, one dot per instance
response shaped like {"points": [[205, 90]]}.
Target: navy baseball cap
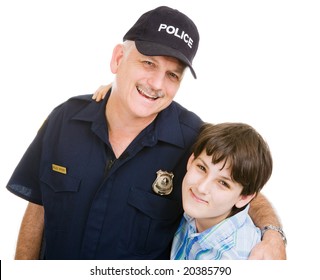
{"points": [[166, 32]]}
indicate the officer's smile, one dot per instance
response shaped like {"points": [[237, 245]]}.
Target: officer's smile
{"points": [[149, 94]]}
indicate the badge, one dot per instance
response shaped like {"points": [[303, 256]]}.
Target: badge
{"points": [[163, 184], [58, 168]]}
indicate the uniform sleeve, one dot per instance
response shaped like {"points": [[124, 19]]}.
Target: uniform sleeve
{"points": [[24, 181]]}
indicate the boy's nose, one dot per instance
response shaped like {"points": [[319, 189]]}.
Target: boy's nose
{"points": [[204, 186]]}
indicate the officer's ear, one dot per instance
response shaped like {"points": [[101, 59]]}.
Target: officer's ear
{"points": [[117, 55]]}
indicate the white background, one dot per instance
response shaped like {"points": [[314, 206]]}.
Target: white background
{"points": [[258, 62]]}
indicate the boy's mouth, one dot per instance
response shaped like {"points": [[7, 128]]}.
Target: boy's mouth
{"points": [[198, 199]]}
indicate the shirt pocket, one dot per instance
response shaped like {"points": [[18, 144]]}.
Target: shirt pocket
{"points": [[60, 196], [153, 224], [59, 182]]}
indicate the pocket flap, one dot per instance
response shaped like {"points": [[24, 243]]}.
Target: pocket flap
{"points": [[60, 182], [156, 207]]}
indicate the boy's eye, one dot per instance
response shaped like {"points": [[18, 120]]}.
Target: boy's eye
{"points": [[201, 167], [223, 183]]}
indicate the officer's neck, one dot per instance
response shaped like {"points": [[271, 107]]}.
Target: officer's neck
{"points": [[123, 127]]}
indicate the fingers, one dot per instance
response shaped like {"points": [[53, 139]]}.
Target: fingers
{"points": [[101, 92]]}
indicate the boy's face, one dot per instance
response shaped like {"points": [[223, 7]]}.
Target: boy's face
{"points": [[209, 193]]}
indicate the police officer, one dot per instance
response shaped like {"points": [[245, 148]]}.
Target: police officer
{"points": [[103, 180]]}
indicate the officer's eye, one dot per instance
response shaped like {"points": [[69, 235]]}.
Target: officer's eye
{"points": [[148, 63], [173, 76]]}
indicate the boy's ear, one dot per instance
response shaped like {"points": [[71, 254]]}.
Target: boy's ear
{"points": [[190, 160], [244, 200]]}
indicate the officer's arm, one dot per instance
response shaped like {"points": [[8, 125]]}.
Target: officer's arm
{"points": [[30, 234], [101, 92], [272, 245]]}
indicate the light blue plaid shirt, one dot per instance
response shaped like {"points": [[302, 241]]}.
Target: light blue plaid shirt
{"points": [[231, 239]]}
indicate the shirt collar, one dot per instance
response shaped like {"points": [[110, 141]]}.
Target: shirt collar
{"points": [[167, 128], [94, 111], [219, 232]]}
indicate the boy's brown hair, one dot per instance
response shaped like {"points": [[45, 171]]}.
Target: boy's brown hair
{"points": [[242, 147]]}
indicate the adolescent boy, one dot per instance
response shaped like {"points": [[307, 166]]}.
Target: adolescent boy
{"points": [[230, 164]]}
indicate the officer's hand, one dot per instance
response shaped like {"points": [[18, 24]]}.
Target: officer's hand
{"points": [[101, 92], [270, 248]]}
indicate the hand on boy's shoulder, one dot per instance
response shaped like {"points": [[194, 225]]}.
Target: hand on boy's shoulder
{"points": [[269, 249], [101, 92]]}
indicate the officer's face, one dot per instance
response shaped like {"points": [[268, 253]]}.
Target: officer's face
{"points": [[145, 84]]}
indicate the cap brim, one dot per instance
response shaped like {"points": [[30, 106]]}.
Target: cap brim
{"points": [[154, 49]]}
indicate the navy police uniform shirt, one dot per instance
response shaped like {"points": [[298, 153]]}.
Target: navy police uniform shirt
{"points": [[97, 206]]}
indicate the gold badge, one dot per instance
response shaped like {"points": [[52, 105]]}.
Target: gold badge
{"points": [[163, 184], [58, 168]]}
